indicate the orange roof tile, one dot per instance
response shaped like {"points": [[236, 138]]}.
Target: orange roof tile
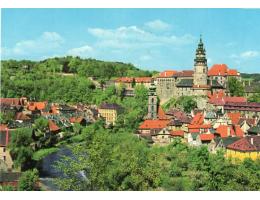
{"points": [[154, 124], [143, 79], [36, 106], [225, 131], [238, 131], [161, 113], [222, 70], [52, 126], [76, 119], [235, 117], [177, 133], [198, 119], [206, 137], [167, 73]]}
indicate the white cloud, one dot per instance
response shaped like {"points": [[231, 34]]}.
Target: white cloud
{"points": [[81, 51], [132, 37], [157, 25], [249, 54], [46, 42]]}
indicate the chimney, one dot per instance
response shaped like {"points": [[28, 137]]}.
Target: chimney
{"points": [[228, 131], [252, 141]]}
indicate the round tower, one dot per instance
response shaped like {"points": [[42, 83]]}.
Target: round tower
{"points": [[200, 66]]}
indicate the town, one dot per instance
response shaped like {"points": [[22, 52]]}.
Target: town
{"points": [[198, 107]]}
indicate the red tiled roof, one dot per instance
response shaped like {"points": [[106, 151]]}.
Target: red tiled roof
{"points": [[224, 100], [36, 106], [235, 117], [167, 73], [154, 124], [52, 126], [184, 73], [198, 119], [222, 70], [10, 101], [225, 131], [194, 130], [238, 131], [76, 119], [232, 72], [161, 113], [249, 143], [177, 133], [179, 115], [125, 80], [206, 137], [143, 79]]}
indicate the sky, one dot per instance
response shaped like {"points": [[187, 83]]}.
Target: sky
{"points": [[151, 39]]}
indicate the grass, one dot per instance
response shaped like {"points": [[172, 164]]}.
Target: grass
{"points": [[40, 154]]}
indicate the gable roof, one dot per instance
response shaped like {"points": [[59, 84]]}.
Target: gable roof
{"points": [[222, 70], [167, 73], [161, 113], [198, 119], [246, 144], [235, 117], [53, 127], [225, 131], [154, 124]]}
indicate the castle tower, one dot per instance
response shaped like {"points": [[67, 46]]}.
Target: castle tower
{"points": [[152, 102], [200, 66]]}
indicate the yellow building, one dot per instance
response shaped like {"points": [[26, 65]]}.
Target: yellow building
{"points": [[247, 147], [109, 112]]}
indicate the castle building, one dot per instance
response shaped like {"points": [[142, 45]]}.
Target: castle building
{"points": [[200, 81]]}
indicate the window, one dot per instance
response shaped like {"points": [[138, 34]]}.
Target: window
{"points": [[4, 158], [4, 149]]}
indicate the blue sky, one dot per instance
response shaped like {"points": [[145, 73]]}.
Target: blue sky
{"points": [[154, 39]]}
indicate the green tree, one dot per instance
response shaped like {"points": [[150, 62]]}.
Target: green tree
{"points": [[20, 147], [28, 180], [235, 87], [187, 103]]}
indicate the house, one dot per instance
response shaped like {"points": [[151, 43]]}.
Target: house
{"points": [[219, 143], [254, 130], [221, 73], [80, 120], [150, 125], [161, 136], [109, 111], [197, 124], [204, 138], [247, 147], [4, 152], [225, 131]]}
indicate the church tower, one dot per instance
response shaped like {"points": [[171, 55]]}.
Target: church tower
{"points": [[200, 66], [152, 102]]}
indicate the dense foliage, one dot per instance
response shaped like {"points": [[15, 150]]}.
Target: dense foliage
{"points": [[120, 161], [235, 87], [186, 103], [28, 180]]}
